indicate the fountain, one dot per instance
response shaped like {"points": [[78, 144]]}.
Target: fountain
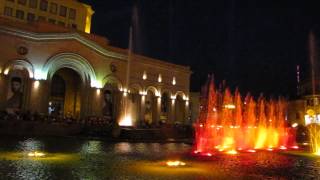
{"points": [[228, 124], [314, 133]]}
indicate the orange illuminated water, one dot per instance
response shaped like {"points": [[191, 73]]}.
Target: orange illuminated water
{"points": [[227, 123]]}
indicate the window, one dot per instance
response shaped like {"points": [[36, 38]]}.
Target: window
{"points": [[8, 11], [22, 2], [63, 11], [61, 23], [53, 8], [19, 14], [72, 14], [33, 3], [52, 21], [31, 17], [43, 5], [41, 18]]}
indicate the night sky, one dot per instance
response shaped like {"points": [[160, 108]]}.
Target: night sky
{"points": [[253, 46]]}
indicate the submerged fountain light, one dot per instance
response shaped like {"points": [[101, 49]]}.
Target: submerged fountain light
{"points": [[175, 163], [36, 154], [232, 152], [283, 148], [251, 150], [126, 121]]}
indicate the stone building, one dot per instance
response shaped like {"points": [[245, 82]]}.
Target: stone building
{"points": [[60, 70], [65, 13]]}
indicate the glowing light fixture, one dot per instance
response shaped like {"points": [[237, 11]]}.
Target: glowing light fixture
{"points": [[174, 82], [98, 91], [6, 71], [160, 78], [39, 75], [96, 84], [36, 84], [294, 125], [144, 76]]}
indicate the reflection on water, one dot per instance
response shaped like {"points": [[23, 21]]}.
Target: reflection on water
{"points": [[91, 147], [122, 148], [30, 145], [25, 169], [70, 158]]}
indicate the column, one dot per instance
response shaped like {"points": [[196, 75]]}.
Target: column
{"points": [[3, 91], [172, 110], [39, 96], [142, 109], [187, 120], [158, 110]]}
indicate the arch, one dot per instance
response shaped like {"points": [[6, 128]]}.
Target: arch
{"points": [[179, 106], [153, 89], [19, 64], [74, 62], [111, 79], [180, 93], [169, 92], [135, 88]]}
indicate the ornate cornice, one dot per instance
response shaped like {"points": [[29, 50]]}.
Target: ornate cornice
{"points": [[62, 36]]}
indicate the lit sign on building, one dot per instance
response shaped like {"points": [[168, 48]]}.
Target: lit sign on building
{"points": [[309, 119]]}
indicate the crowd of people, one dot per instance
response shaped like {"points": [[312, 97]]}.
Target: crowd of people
{"points": [[68, 119]]}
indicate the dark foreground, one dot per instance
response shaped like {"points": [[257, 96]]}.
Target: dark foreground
{"points": [[72, 158]]}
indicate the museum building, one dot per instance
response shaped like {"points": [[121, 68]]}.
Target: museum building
{"points": [[52, 65]]}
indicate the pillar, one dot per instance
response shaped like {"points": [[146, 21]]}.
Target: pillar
{"points": [[39, 96], [142, 108], [172, 110], [158, 111], [3, 91], [187, 113]]}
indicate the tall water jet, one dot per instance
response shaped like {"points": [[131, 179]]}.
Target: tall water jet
{"points": [[126, 116], [313, 60], [313, 127], [230, 124]]}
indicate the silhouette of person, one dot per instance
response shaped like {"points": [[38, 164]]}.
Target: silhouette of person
{"points": [[14, 103], [108, 106]]}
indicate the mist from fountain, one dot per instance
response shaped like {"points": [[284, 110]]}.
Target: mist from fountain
{"points": [[228, 124]]}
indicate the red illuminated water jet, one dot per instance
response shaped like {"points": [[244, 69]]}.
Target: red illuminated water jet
{"points": [[229, 124]]}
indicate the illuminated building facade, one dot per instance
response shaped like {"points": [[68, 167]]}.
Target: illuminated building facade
{"points": [[56, 70], [65, 13]]}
